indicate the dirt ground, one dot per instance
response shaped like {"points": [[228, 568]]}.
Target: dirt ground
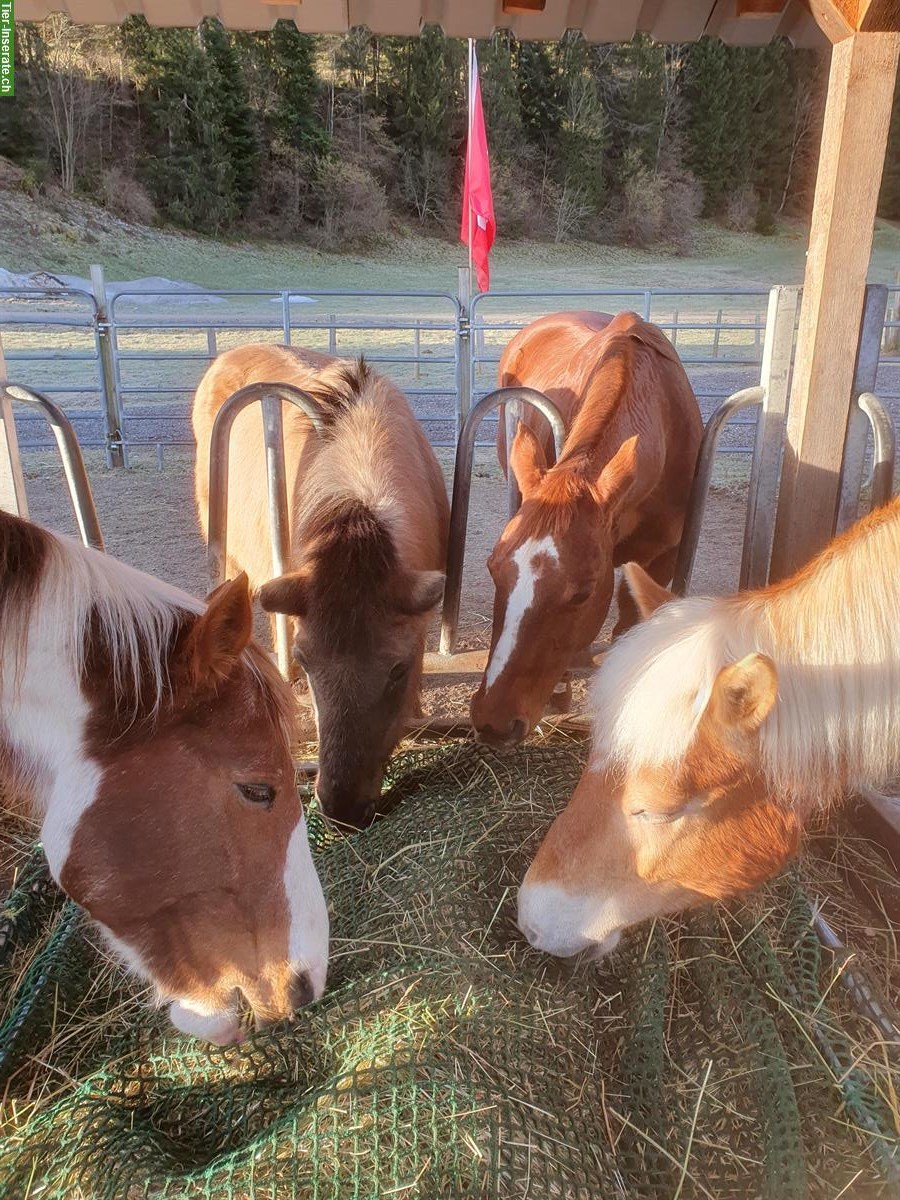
{"points": [[148, 519]]}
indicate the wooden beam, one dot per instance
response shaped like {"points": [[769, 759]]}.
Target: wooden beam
{"points": [[854, 138], [836, 18], [878, 16], [842, 18], [759, 8], [524, 6]]}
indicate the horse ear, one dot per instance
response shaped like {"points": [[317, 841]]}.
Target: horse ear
{"points": [[527, 460], [647, 594], [426, 589], [744, 692], [219, 635], [287, 594], [617, 477]]}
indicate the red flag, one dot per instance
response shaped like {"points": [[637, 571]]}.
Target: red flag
{"points": [[478, 225]]}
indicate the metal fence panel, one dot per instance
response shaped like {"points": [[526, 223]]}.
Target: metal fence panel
{"points": [[50, 342], [160, 355], [718, 335], [441, 349]]}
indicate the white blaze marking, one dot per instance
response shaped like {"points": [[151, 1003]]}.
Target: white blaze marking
{"points": [[308, 937], [520, 601], [45, 719]]}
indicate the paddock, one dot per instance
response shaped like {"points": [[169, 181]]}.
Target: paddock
{"points": [[749, 1049]]}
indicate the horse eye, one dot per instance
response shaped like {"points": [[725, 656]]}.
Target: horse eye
{"points": [[655, 818], [257, 793], [581, 597], [397, 672]]}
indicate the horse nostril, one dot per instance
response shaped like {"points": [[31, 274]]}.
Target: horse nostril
{"points": [[517, 730], [301, 990]]}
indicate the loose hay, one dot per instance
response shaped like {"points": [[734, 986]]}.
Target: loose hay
{"points": [[715, 1056]]}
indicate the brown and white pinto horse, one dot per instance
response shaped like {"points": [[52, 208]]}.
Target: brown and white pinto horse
{"points": [[151, 736], [719, 726], [368, 521], [619, 492]]}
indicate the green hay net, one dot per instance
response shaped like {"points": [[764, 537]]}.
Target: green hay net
{"points": [[710, 1057]]}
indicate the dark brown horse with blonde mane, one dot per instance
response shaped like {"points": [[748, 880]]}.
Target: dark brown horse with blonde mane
{"points": [[368, 521], [151, 736], [619, 493]]}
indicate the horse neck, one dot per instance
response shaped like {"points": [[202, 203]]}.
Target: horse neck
{"points": [[832, 631], [605, 391]]}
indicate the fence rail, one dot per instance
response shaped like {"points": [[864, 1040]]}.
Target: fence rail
{"points": [[125, 368]]}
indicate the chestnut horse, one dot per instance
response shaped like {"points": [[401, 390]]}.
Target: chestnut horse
{"points": [[719, 726], [619, 492], [151, 736], [368, 522]]}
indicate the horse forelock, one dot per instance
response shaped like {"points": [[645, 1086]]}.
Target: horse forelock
{"points": [[650, 691], [555, 504], [353, 558]]}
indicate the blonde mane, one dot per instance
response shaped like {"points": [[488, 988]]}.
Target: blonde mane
{"points": [[833, 632], [357, 460]]}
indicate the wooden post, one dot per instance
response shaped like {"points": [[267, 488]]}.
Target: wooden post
{"points": [[857, 115], [12, 477]]}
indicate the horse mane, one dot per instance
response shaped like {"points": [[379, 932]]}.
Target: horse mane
{"points": [[357, 467], [831, 632], [340, 387], [90, 602]]}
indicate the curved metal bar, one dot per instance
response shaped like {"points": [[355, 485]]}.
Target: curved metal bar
{"points": [[462, 488], [885, 447], [77, 481], [690, 535], [270, 396]]}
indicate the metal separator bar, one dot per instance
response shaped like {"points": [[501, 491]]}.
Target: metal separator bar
{"points": [[462, 488], [73, 464], [884, 447], [690, 536], [270, 396]]}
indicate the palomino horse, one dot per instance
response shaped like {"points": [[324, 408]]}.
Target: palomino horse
{"points": [[619, 492], [368, 522], [151, 736], [719, 725]]}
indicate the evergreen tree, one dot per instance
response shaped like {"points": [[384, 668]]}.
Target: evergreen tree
{"points": [[234, 121], [296, 115], [423, 99], [540, 92], [202, 151], [708, 125], [500, 96]]}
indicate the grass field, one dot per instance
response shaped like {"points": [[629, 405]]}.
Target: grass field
{"points": [[64, 235]]}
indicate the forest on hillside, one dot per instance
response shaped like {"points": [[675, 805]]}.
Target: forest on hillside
{"points": [[337, 140]]}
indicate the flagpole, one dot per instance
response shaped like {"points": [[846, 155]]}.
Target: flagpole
{"points": [[469, 143]]}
